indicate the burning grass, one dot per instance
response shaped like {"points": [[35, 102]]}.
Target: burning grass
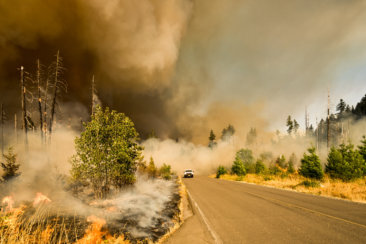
{"points": [[354, 191], [126, 218]]}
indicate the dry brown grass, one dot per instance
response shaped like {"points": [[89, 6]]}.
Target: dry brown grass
{"points": [[354, 191]]}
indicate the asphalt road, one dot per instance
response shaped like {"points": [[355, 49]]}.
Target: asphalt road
{"points": [[235, 212]]}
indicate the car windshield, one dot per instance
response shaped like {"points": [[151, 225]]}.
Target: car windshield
{"points": [[189, 170]]}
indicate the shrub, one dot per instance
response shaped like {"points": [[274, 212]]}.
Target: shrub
{"points": [[220, 171], [281, 161], [165, 172], [310, 183], [345, 163], [274, 169], [238, 168], [362, 151], [259, 167], [310, 165], [246, 157], [152, 170]]}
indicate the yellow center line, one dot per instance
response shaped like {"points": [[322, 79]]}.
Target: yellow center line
{"points": [[307, 209]]}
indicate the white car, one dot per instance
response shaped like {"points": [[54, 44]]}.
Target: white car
{"points": [[188, 173]]}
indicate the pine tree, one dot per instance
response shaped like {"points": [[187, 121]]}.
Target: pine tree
{"points": [[10, 165], [310, 165], [290, 125], [341, 106], [212, 143]]}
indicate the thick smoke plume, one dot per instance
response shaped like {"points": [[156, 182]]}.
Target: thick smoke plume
{"points": [[164, 63]]}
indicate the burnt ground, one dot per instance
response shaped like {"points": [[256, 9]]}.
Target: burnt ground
{"points": [[69, 227]]}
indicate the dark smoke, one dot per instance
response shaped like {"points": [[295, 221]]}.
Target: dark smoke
{"points": [[168, 64]]}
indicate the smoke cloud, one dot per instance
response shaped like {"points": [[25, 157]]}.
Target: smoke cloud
{"points": [[182, 67]]}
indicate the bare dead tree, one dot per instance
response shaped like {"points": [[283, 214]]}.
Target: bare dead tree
{"points": [[58, 84], [15, 127], [39, 97], [24, 104]]}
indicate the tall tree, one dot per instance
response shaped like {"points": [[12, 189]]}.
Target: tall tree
{"points": [[341, 106], [107, 152], [24, 104], [39, 97], [290, 125], [212, 143], [57, 68]]}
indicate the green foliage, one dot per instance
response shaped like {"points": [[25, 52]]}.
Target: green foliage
{"points": [[106, 152], [345, 163], [10, 165], [220, 171], [310, 183], [260, 168], [151, 169], [341, 106], [165, 172], [274, 169], [290, 164], [281, 161], [362, 151], [310, 165], [246, 157], [238, 168], [289, 124]]}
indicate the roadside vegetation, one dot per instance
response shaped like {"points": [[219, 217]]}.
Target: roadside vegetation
{"points": [[343, 175]]}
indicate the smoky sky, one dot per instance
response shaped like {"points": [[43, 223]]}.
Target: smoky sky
{"points": [[182, 67]]}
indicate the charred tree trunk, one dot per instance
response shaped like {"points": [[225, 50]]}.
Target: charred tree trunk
{"points": [[24, 104], [93, 97], [53, 106], [15, 128], [45, 110], [2, 130], [39, 98]]}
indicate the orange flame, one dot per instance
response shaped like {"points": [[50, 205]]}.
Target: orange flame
{"points": [[40, 198], [9, 201], [94, 233]]}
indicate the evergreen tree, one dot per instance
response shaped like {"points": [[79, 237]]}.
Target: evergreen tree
{"points": [[212, 143], [360, 109], [310, 165], [246, 157], [341, 106], [10, 165], [296, 126], [345, 163], [290, 125], [152, 170], [259, 167], [238, 168]]}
